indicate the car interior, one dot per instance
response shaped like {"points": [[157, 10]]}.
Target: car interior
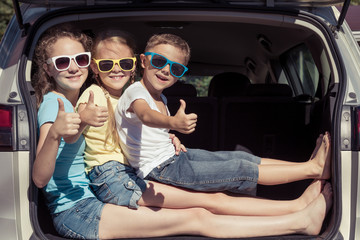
{"points": [[269, 88]]}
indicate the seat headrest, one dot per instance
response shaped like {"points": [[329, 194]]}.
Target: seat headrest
{"points": [[269, 90], [181, 89], [228, 84]]}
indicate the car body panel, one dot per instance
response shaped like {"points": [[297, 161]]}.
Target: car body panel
{"points": [[15, 211], [350, 221], [14, 205], [353, 19]]}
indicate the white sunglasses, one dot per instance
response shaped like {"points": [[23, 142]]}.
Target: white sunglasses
{"points": [[62, 63]]}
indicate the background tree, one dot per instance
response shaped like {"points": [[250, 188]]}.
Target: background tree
{"points": [[6, 12]]}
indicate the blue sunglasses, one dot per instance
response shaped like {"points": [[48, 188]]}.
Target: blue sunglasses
{"points": [[158, 61]]}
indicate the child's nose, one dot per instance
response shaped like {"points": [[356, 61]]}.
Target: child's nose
{"points": [[166, 68], [73, 66], [116, 68]]}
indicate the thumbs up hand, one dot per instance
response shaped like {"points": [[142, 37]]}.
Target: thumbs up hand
{"points": [[92, 114], [66, 124], [184, 123]]}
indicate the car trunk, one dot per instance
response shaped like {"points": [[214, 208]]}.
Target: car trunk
{"points": [[279, 116]]}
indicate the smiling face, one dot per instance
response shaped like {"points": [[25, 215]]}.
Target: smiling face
{"points": [[114, 80], [156, 80], [68, 82]]}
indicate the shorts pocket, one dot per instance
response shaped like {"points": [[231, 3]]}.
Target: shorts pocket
{"points": [[69, 233], [101, 175], [103, 192], [163, 168]]}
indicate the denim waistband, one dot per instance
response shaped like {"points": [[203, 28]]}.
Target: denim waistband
{"points": [[97, 170]]}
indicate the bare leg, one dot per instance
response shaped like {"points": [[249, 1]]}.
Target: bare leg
{"points": [[121, 222], [317, 167], [161, 195]]}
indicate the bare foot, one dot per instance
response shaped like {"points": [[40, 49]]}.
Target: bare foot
{"points": [[322, 159], [317, 146], [310, 193], [316, 211]]}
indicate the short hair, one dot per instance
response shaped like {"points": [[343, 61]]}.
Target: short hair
{"points": [[171, 39]]}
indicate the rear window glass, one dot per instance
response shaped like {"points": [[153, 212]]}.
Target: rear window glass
{"points": [[302, 71], [201, 83]]}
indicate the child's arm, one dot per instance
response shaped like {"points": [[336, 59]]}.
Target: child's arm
{"points": [[66, 124], [181, 122], [90, 114]]}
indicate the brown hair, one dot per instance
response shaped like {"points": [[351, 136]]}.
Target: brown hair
{"points": [[171, 39], [119, 37], [40, 80]]}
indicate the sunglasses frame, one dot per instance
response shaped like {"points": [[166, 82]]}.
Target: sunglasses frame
{"points": [[115, 61], [53, 60], [152, 54]]}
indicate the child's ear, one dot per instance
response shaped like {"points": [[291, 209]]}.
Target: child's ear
{"points": [[142, 60], [94, 67]]}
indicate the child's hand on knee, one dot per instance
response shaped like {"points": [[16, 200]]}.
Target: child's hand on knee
{"points": [[177, 144]]}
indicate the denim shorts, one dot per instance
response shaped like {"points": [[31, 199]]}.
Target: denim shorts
{"points": [[116, 183], [80, 221], [201, 170]]}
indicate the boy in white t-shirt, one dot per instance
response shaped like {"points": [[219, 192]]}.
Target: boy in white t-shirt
{"points": [[143, 122]]}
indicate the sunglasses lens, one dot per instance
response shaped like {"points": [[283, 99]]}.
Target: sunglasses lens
{"points": [[158, 61], [177, 69], [106, 65], [62, 62], [83, 60], [127, 64]]}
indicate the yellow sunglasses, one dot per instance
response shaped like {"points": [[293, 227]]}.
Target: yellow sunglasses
{"points": [[106, 65]]}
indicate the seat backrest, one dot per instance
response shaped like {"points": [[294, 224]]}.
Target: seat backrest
{"points": [[264, 125], [228, 84], [269, 90], [205, 135], [180, 89]]}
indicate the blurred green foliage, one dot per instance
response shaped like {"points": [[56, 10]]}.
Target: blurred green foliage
{"points": [[6, 12], [201, 83]]}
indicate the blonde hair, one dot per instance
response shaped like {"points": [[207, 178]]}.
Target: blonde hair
{"points": [[40, 80], [171, 39], [119, 37]]}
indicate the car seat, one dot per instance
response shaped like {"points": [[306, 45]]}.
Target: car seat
{"points": [[228, 84]]}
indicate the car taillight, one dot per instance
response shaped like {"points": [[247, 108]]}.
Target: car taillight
{"points": [[6, 125]]}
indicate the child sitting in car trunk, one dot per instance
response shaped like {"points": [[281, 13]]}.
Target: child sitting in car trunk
{"points": [[143, 122]]}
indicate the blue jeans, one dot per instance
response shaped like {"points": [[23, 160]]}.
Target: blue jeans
{"points": [[116, 183], [81, 221], [201, 170]]}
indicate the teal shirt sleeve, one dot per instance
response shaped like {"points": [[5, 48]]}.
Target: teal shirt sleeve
{"points": [[48, 111], [49, 108]]}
